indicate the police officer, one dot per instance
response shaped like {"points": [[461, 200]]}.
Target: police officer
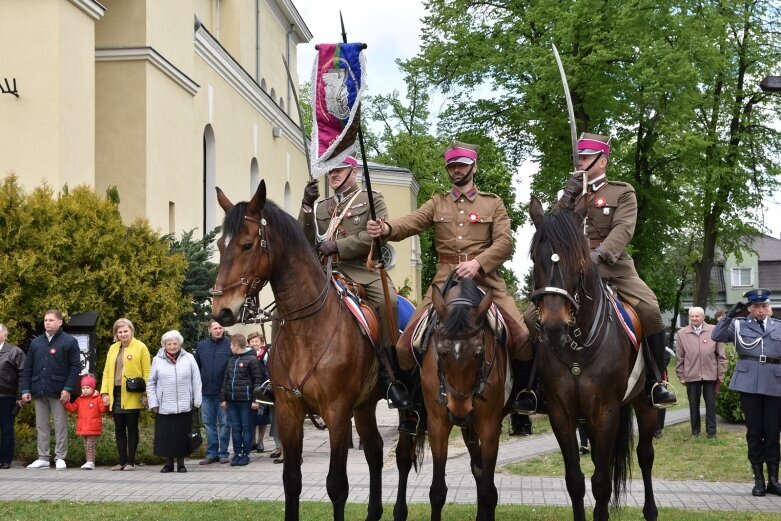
{"points": [[757, 377], [611, 213], [472, 236], [337, 226]]}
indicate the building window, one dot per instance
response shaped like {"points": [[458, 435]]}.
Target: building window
{"points": [[388, 255], [742, 277]]}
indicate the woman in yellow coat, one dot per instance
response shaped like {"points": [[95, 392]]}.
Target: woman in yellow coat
{"points": [[127, 358]]}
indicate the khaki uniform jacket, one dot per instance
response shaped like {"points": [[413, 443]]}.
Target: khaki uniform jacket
{"points": [[699, 357]]}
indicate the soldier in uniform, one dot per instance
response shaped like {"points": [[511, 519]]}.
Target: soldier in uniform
{"points": [[757, 377], [611, 212], [337, 227], [472, 235]]}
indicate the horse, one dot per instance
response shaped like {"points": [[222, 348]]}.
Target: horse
{"points": [[463, 376], [317, 345], [586, 377]]}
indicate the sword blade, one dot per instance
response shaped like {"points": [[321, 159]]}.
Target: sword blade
{"points": [[570, 110]]}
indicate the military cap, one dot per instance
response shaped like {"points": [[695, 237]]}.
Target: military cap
{"points": [[757, 296], [592, 144], [347, 161], [459, 152]]}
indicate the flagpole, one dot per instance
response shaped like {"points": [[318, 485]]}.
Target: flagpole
{"points": [[300, 116]]}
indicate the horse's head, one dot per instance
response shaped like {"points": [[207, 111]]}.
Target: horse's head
{"points": [[459, 341], [561, 260], [244, 258]]}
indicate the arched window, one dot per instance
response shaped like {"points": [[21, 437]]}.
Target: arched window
{"points": [[209, 180], [254, 176]]}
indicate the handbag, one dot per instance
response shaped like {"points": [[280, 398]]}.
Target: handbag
{"points": [[194, 438], [135, 385]]}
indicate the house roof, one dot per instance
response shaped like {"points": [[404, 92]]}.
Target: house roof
{"points": [[768, 248]]}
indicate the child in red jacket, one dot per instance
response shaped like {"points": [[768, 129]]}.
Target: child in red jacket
{"points": [[89, 424]]}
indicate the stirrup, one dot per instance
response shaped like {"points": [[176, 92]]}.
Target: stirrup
{"points": [[525, 394], [392, 405], [404, 425], [662, 405]]}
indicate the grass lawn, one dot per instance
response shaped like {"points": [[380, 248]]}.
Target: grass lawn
{"points": [[257, 510]]}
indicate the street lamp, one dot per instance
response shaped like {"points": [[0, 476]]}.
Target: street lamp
{"points": [[771, 84]]}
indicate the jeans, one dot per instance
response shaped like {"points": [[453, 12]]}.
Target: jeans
{"points": [[7, 429], [242, 423], [215, 420]]}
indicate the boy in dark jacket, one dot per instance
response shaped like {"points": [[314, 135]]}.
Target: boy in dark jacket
{"points": [[242, 375]]}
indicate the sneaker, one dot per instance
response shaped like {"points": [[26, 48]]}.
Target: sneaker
{"points": [[90, 465], [39, 464], [118, 467], [242, 461], [60, 464], [129, 468], [209, 460], [226, 459], [235, 460]]}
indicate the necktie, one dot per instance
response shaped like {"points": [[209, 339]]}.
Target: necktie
{"points": [[761, 325]]}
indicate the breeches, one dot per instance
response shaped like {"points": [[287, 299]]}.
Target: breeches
{"points": [[376, 297], [635, 292]]}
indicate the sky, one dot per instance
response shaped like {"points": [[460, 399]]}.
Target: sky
{"points": [[392, 31]]}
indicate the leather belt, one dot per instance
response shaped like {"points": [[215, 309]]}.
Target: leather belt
{"points": [[455, 259], [762, 359], [594, 243]]}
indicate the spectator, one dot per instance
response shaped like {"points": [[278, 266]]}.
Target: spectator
{"points": [[127, 358], [89, 422], [51, 372], [262, 418], [212, 357], [520, 424], [701, 364], [720, 314], [758, 380], [242, 375], [173, 390], [11, 366]]}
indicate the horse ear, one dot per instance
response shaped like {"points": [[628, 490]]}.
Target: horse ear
{"points": [[485, 304], [536, 212], [223, 200], [259, 199], [437, 300]]}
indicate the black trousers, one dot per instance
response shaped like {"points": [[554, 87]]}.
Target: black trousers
{"points": [[126, 425], [763, 424], [706, 389]]}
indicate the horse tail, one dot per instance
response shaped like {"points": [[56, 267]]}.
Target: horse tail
{"points": [[420, 443], [621, 460]]}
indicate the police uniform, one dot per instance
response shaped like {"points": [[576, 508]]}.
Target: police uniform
{"points": [[351, 210], [757, 376]]}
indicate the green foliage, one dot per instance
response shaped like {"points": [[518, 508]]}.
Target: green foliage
{"points": [[72, 251], [728, 402], [199, 278]]}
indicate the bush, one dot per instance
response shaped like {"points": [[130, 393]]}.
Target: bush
{"points": [[728, 402]]}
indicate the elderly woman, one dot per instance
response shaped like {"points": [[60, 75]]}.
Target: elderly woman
{"points": [[174, 390], [127, 359]]}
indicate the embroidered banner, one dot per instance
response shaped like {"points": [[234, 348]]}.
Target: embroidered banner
{"points": [[338, 83]]}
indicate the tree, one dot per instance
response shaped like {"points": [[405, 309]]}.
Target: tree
{"points": [[669, 80], [72, 252]]}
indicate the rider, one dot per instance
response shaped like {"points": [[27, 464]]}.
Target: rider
{"points": [[611, 212], [472, 236], [337, 227]]}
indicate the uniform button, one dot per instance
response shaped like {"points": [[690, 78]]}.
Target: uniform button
{"points": [[460, 200], [460, 237], [462, 211], [460, 224]]}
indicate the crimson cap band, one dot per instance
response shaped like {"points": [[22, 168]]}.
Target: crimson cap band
{"points": [[459, 152], [347, 161], [757, 296], [592, 144]]}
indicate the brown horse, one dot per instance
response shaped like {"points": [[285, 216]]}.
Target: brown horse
{"points": [[585, 362], [463, 373], [321, 363]]}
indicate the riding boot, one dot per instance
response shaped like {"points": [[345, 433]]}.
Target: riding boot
{"points": [[413, 419], [526, 400], [662, 396], [773, 486], [759, 480], [394, 391]]}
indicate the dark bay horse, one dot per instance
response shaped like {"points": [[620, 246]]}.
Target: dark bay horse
{"points": [[321, 363], [585, 361], [463, 374]]}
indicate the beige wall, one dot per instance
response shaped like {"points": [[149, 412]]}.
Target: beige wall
{"points": [[48, 132]]}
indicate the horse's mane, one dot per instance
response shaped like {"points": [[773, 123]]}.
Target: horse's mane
{"points": [[563, 233], [457, 322], [283, 224]]}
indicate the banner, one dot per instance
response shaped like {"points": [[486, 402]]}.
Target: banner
{"points": [[338, 83]]}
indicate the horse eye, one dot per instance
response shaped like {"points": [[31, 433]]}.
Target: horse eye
{"points": [[246, 246]]}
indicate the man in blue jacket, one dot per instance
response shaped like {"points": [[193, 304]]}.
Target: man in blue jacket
{"points": [[50, 375], [212, 356]]}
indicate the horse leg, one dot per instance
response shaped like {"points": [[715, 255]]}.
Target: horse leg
{"points": [[404, 458], [290, 418], [564, 429], [439, 428], [488, 432], [339, 433], [646, 424], [603, 444], [366, 425]]}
